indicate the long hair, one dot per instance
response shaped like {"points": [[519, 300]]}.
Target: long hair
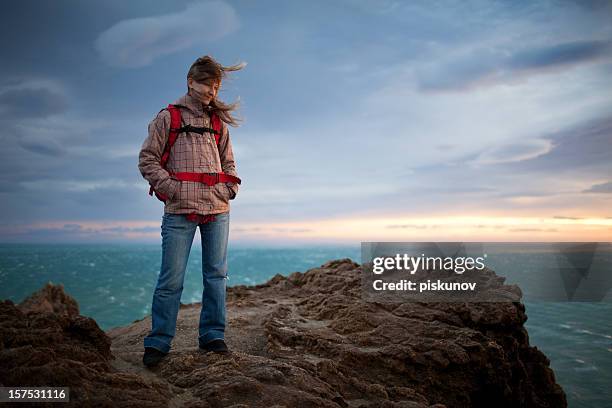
{"points": [[207, 68]]}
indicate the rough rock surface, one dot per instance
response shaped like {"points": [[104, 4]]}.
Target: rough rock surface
{"points": [[306, 340], [45, 342]]}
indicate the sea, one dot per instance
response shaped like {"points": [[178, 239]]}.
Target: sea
{"points": [[114, 283]]}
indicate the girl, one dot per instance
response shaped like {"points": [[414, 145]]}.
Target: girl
{"points": [[196, 179]]}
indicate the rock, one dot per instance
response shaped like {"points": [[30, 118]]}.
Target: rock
{"points": [[45, 342], [307, 339], [50, 299]]}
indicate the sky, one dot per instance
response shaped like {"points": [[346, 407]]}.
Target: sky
{"points": [[362, 120]]}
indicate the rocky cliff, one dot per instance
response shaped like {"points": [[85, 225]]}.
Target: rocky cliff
{"points": [[305, 340]]}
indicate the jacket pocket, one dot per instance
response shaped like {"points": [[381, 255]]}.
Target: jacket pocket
{"points": [[180, 192], [221, 192]]}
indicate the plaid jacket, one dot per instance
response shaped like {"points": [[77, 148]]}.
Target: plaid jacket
{"points": [[191, 152]]}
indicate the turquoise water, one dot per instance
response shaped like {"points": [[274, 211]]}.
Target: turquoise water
{"points": [[114, 285]]}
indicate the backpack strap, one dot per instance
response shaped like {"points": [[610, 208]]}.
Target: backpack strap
{"points": [[194, 129], [216, 125], [175, 124]]}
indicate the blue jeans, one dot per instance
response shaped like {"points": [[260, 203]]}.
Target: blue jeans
{"points": [[177, 237]]}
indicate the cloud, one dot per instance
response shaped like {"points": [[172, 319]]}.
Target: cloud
{"points": [[584, 146], [498, 64], [393, 226], [459, 70], [46, 147], [532, 230], [600, 188], [81, 186], [515, 152], [77, 232], [33, 98], [559, 54], [137, 42]]}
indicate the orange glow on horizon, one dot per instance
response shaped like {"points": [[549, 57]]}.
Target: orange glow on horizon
{"points": [[357, 229]]}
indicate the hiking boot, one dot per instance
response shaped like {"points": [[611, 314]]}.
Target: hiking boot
{"points": [[217, 345], [152, 356]]}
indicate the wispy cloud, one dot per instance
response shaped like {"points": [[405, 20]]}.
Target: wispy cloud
{"points": [[600, 188], [46, 147], [495, 64], [81, 185], [560, 54], [514, 152], [80, 231], [32, 98], [337, 229], [137, 42]]}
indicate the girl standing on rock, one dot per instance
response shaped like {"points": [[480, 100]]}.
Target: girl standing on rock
{"points": [[188, 161]]}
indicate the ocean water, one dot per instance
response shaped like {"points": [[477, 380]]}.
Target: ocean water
{"points": [[114, 285]]}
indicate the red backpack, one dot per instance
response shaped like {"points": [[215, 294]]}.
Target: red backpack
{"points": [[208, 178]]}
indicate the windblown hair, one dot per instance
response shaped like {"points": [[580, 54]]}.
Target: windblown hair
{"points": [[206, 68]]}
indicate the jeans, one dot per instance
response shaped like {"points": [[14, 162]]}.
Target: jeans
{"points": [[177, 237]]}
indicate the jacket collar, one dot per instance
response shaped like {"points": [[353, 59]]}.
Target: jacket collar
{"points": [[190, 103]]}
